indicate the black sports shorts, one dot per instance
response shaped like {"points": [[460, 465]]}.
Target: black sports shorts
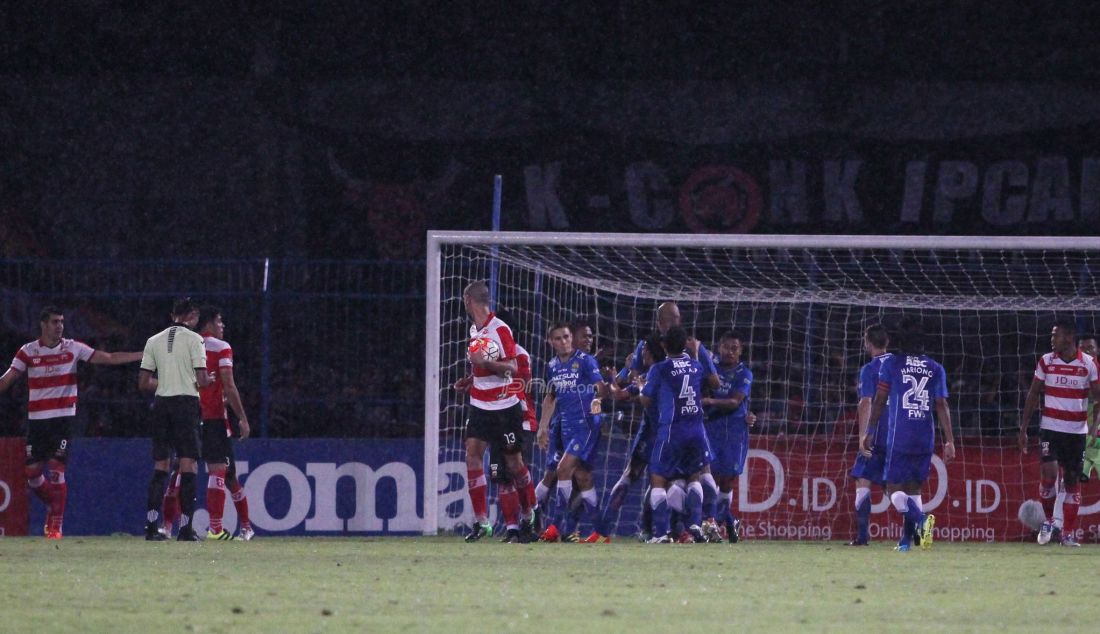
{"points": [[1067, 449], [502, 429], [48, 439], [217, 446], [176, 427]]}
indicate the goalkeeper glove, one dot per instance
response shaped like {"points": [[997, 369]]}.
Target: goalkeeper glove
{"points": [[1092, 457]]}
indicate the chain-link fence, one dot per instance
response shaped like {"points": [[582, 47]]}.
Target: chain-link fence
{"points": [[322, 348]]}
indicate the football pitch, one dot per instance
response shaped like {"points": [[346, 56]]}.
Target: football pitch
{"points": [[124, 584]]}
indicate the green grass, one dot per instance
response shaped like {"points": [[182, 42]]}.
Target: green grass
{"points": [[123, 584]]}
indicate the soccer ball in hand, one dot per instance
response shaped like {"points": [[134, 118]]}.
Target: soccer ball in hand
{"points": [[485, 346]]}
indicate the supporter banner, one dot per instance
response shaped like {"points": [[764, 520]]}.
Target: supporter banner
{"points": [[13, 487], [1047, 182], [797, 488], [295, 487]]}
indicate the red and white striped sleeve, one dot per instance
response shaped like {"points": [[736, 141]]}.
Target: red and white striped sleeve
{"points": [[1041, 369], [225, 357], [82, 351], [507, 343], [21, 361]]}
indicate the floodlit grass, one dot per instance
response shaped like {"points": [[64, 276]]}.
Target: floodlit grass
{"points": [[124, 584]]}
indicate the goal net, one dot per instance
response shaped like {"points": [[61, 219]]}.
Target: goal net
{"points": [[800, 305]]}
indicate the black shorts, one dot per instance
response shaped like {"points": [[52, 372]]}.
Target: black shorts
{"points": [[502, 429], [217, 445], [1067, 449], [175, 427], [48, 439]]}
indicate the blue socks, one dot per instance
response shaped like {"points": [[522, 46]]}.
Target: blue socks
{"points": [[863, 519]]}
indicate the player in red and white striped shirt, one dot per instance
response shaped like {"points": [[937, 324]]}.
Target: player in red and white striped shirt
{"points": [[1067, 377], [50, 363], [495, 417]]}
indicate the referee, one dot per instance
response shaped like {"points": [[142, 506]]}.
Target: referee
{"points": [[177, 356]]}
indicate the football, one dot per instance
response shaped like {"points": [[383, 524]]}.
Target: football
{"points": [[485, 346], [1031, 514]]}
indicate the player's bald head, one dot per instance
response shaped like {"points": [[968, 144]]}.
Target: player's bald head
{"points": [[477, 292], [668, 316]]}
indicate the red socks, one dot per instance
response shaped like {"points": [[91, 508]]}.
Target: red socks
{"points": [[1070, 505], [59, 492], [1048, 494], [215, 501], [38, 485], [170, 511], [479, 495], [240, 502], [509, 505], [526, 489]]}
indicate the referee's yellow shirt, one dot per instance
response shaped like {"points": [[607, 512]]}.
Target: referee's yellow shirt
{"points": [[174, 354]]}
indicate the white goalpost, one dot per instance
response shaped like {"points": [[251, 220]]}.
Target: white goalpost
{"points": [[800, 305]]}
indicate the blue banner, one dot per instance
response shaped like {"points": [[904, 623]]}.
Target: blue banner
{"points": [[294, 487]]}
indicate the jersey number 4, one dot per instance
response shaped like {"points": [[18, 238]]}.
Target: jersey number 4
{"points": [[916, 397], [687, 392]]}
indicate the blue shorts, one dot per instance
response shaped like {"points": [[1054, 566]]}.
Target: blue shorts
{"points": [[679, 455], [907, 467], [871, 468], [580, 437], [642, 446], [553, 450], [729, 445]]}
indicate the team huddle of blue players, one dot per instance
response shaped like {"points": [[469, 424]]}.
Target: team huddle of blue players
{"points": [[688, 402], [692, 441]]}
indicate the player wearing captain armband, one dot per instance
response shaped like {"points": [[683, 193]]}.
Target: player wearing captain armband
{"points": [[1067, 377], [1088, 345], [869, 465], [913, 384], [575, 389], [675, 387], [727, 425]]}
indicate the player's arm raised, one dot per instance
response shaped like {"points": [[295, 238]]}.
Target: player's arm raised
{"points": [[233, 396], [649, 389], [626, 375], [943, 417], [1030, 403], [100, 357], [696, 350]]}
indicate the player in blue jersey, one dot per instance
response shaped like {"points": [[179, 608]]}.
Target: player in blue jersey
{"points": [[640, 448], [675, 387], [910, 384], [727, 425], [575, 388], [583, 340], [668, 316], [869, 465]]}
